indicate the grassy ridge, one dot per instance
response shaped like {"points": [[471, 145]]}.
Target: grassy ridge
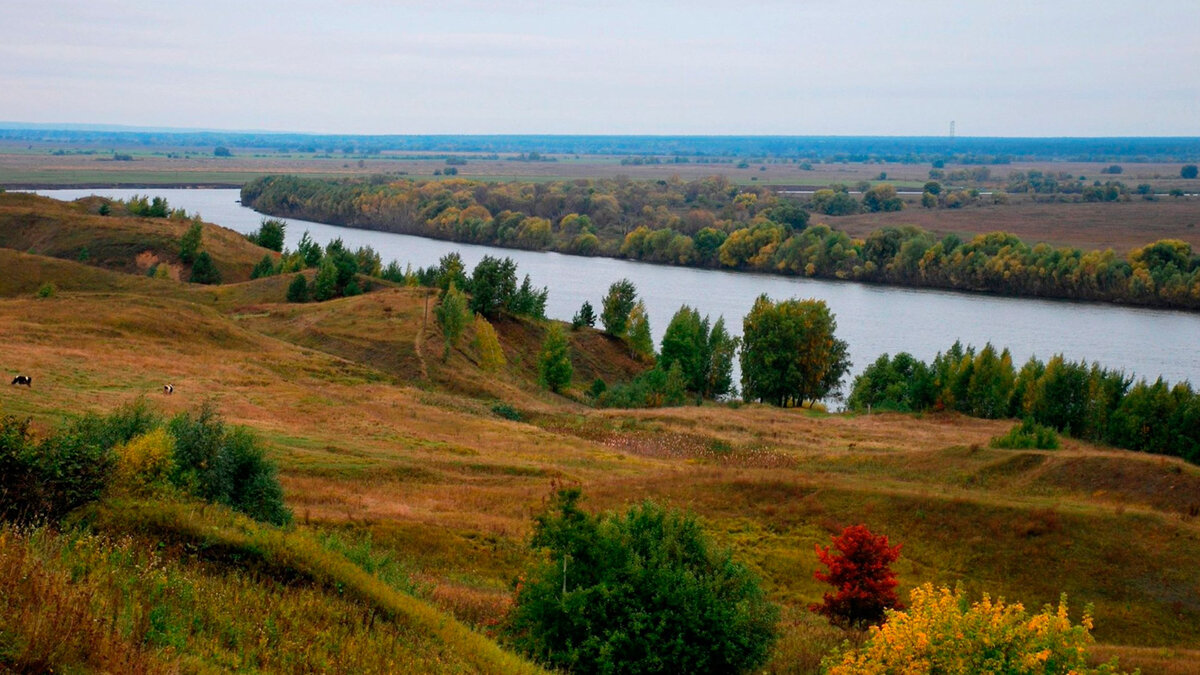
{"points": [[379, 440]]}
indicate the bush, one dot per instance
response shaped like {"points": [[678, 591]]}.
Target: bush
{"points": [[225, 466], [145, 463], [642, 591], [943, 633], [507, 412], [45, 480], [264, 268], [47, 290], [1027, 435], [204, 271]]}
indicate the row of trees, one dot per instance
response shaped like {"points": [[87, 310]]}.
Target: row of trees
{"points": [[712, 223], [1085, 401]]}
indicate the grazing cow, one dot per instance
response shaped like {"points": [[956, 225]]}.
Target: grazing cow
{"points": [[23, 379], [168, 389]]}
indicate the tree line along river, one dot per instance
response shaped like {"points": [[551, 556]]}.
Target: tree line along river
{"points": [[1145, 343]]}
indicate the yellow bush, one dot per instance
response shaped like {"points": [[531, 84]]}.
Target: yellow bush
{"points": [[144, 463], [941, 632], [491, 356]]}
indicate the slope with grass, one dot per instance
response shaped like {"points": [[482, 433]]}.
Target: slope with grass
{"points": [[383, 445]]}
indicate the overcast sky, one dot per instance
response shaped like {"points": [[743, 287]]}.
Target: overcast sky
{"points": [[1011, 68]]}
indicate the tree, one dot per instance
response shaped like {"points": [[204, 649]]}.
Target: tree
{"points": [[637, 592], [487, 343], [221, 151], [452, 317], [204, 270], [270, 234], [789, 352], [866, 585], [641, 343], [586, 316], [1189, 171], [882, 197], [189, 244], [686, 342], [554, 360], [721, 349], [310, 250], [325, 285], [298, 290], [616, 307], [264, 268], [493, 283]]}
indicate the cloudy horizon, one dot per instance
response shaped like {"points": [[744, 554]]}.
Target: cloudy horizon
{"points": [[762, 67]]}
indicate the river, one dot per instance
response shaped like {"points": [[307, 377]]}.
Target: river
{"points": [[872, 319]]}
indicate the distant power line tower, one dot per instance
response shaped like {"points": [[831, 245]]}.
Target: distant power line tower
{"points": [[951, 131]]}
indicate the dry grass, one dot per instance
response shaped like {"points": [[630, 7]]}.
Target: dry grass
{"points": [[372, 443]]}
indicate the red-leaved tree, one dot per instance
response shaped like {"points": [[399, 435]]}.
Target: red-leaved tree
{"points": [[866, 585]]}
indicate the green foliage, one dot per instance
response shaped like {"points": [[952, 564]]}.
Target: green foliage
{"points": [[554, 360], [586, 316], [705, 353], [221, 151], [310, 250], [1027, 435], [298, 290], [204, 270], [270, 234], [902, 384], [47, 290], [493, 284], [43, 480], [507, 412], [325, 284], [264, 268], [639, 592], [618, 303], [225, 466], [452, 317], [789, 352], [882, 197], [189, 244]]}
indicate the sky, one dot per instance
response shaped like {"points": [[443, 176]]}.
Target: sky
{"points": [[753, 67]]}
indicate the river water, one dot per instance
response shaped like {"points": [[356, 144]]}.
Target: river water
{"points": [[872, 319]]}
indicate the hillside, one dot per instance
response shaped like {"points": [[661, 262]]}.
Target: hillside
{"points": [[403, 458]]}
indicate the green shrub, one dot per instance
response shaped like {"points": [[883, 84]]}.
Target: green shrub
{"points": [[47, 290], [1027, 435], [225, 466], [507, 412], [642, 591], [298, 290], [204, 270]]}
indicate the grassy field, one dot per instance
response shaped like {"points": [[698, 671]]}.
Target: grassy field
{"points": [[389, 450]]}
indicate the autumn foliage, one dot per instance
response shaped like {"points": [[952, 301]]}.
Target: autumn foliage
{"points": [[859, 570]]}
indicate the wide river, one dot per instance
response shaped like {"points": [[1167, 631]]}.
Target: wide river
{"points": [[872, 319]]}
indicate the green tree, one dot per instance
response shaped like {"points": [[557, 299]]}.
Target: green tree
{"points": [[617, 305], [789, 352], [269, 235], [298, 290], [189, 244], [264, 268], [1189, 171], [325, 285], [722, 347], [639, 592], [493, 284], [204, 270], [452, 317], [586, 316], [882, 197], [686, 342], [310, 250], [554, 360]]}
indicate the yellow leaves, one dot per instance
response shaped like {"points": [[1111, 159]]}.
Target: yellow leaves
{"points": [[944, 633], [145, 462]]}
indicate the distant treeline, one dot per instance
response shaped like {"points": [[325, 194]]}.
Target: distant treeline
{"points": [[910, 149], [1088, 402], [713, 223]]}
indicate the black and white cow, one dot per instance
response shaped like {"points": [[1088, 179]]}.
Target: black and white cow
{"points": [[168, 389], [23, 379]]}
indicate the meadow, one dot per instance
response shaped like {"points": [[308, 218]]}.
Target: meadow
{"points": [[413, 496]]}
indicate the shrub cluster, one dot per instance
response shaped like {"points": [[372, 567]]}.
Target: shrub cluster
{"points": [[1085, 401], [1028, 435], [130, 450]]}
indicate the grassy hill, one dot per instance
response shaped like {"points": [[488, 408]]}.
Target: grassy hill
{"points": [[413, 497]]}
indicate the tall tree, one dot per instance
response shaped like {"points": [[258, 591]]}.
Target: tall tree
{"points": [[618, 303], [861, 572], [189, 244], [554, 360], [452, 317], [487, 343], [641, 343], [493, 284], [686, 342], [789, 352]]}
